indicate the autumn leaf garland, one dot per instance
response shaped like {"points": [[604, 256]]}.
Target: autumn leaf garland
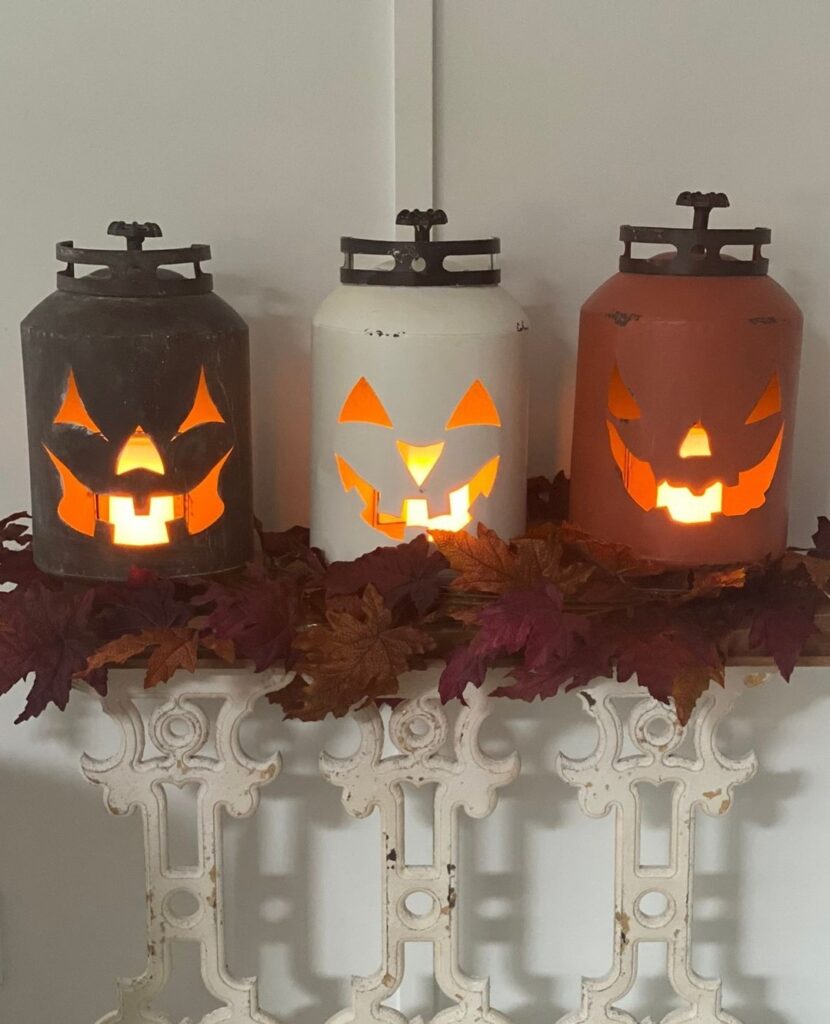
{"points": [[557, 607]]}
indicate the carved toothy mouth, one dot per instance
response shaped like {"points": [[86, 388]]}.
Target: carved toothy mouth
{"points": [[138, 522], [681, 503], [415, 511]]}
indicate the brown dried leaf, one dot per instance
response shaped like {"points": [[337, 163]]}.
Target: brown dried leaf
{"points": [[350, 659], [170, 649], [484, 563], [222, 647], [616, 558], [174, 649]]}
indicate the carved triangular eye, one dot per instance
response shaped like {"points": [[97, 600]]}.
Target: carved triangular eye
{"points": [[621, 403], [364, 406], [768, 404], [73, 411], [203, 410], [476, 409]]}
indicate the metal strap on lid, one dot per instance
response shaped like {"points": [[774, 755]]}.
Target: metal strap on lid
{"points": [[419, 263], [133, 273]]}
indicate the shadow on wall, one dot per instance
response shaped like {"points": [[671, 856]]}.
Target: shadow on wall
{"points": [[810, 480], [71, 898], [302, 885], [552, 369], [280, 400]]}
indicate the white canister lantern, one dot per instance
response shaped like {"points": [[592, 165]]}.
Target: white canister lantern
{"points": [[419, 400]]}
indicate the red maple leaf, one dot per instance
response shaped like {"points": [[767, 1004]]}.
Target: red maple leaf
{"points": [[548, 500], [50, 634], [291, 551], [463, 667], [407, 573], [784, 617], [821, 538], [258, 614], [673, 656], [17, 565], [144, 601]]}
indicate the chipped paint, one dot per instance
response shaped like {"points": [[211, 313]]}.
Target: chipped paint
{"points": [[609, 779], [623, 319], [229, 779], [466, 780]]}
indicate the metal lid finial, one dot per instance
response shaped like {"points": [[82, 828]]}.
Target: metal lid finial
{"points": [[697, 250], [134, 232], [702, 203], [422, 220]]}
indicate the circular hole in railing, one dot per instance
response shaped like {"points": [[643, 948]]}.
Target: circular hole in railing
{"points": [[179, 727], [654, 908], [653, 903], [658, 729], [182, 905], [419, 264], [420, 903], [418, 726]]}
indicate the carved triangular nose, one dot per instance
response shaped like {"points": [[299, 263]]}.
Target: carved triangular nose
{"points": [[696, 443], [139, 452], [420, 459]]}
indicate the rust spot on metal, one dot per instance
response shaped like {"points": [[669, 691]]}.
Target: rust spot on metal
{"points": [[712, 793], [521, 326], [388, 981], [724, 807], [763, 321], [623, 319], [392, 856], [624, 921], [589, 698]]}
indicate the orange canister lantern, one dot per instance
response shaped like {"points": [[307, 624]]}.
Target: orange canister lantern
{"points": [[685, 398]]}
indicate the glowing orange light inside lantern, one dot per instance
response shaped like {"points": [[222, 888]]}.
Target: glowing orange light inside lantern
{"points": [[140, 529], [476, 409], [696, 443], [139, 452], [420, 459], [684, 506], [204, 409], [416, 510], [73, 411]]}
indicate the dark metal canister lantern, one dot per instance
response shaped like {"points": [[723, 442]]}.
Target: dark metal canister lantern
{"points": [[685, 397], [138, 408], [419, 397]]}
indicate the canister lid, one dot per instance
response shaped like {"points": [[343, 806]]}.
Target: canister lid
{"points": [[420, 263], [698, 248], [133, 273]]}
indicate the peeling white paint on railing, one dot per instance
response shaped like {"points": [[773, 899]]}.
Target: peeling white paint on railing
{"points": [[640, 742], [609, 779], [179, 732], [468, 779]]}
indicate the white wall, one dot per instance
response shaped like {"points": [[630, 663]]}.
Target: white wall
{"points": [[266, 128]]}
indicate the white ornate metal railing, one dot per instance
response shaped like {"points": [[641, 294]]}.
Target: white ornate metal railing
{"points": [[640, 742]]}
